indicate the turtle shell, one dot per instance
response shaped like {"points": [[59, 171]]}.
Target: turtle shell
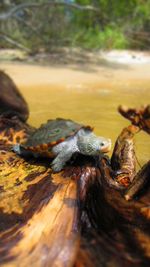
{"points": [[51, 133]]}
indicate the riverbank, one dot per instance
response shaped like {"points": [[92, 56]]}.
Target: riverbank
{"points": [[79, 71]]}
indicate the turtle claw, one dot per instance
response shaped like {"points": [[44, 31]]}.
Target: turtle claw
{"points": [[56, 166], [56, 169], [16, 148]]}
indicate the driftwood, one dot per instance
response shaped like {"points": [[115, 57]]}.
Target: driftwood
{"points": [[79, 217], [138, 116]]}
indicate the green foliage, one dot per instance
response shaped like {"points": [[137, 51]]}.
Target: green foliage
{"points": [[109, 38], [114, 24]]}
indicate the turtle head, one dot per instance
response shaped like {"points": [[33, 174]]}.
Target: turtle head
{"points": [[91, 145]]}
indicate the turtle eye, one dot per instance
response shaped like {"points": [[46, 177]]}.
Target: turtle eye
{"points": [[102, 143]]}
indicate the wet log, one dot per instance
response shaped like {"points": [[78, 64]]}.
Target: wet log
{"points": [[123, 159], [119, 235], [39, 214], [78, 217], [139, 182], [114, 232]]}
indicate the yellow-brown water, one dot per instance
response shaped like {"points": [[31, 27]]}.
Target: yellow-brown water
{"points": [[88, 97]]}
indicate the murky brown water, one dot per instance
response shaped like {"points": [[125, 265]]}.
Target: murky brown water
{"points": [[97, 108], [90, 103]]}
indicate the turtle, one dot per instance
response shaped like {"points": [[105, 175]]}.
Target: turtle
{"points": [[61, 139]]}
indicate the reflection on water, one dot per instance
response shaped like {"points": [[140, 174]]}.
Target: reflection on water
{"points": [[93, 106]]}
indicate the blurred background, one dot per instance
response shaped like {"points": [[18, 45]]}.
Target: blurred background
{"points": [[90, 24]]}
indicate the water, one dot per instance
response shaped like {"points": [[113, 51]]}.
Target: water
{"points": [[91, 98], [96, 107]]}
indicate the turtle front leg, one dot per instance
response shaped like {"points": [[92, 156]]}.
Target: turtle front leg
{"points": [[59, 162]]}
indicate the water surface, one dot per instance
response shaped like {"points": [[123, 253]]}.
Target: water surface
{"points": [[96, 107], [89, 97]]}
